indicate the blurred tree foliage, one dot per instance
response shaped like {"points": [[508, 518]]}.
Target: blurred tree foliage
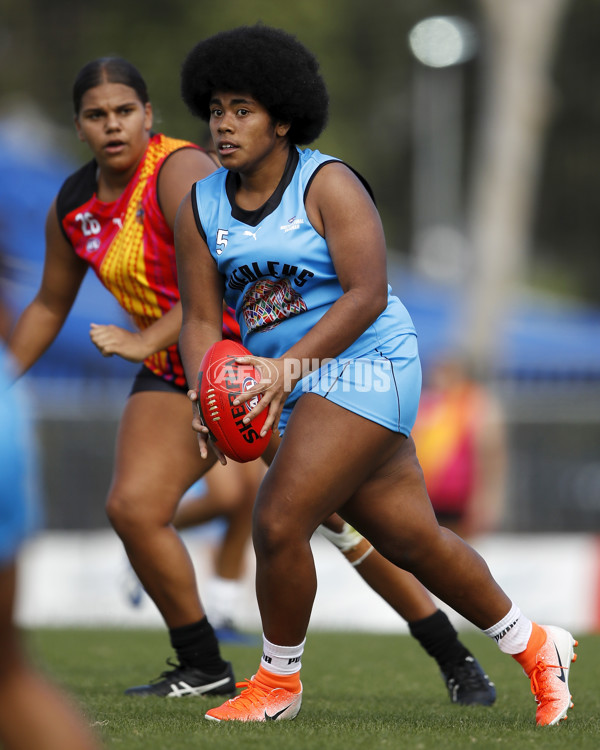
{"points": [[364, 55]]}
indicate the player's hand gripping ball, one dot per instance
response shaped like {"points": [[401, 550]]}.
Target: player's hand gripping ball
{"points": [[220, 380]]}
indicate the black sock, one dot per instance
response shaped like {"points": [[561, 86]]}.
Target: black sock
{"points": [[197, 646], [437, 636]]}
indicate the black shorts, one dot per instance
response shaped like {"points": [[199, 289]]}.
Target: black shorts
{"points": [[146, 380]]}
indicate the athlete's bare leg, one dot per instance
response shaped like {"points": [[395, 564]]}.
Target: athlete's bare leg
{"points": [[399, 589], [157, 459]]}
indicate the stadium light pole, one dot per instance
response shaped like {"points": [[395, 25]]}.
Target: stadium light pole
{"points": [[440, 45]]}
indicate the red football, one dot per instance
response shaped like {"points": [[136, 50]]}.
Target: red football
{"points": [[220, 380]]}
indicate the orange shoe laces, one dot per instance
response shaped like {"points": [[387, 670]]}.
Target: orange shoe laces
{"points": [[539, 685], [250, 696]]}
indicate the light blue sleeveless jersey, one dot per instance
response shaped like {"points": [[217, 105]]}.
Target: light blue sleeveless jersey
{"points": [[19, 500], [279, 275]]}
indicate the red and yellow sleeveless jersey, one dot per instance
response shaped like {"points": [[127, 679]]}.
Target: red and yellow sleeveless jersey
{"points": [[130, 246], [444, 435]]}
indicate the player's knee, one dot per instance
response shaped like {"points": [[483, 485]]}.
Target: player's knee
{"points": [[272, 532], [125, 513]]}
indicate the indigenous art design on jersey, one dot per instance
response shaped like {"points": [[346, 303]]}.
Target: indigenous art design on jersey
{"points": [[130, 246], [268, 302]]}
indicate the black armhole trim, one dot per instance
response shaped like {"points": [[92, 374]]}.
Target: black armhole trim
{"points": [[364, 182], [199, 226], [165, 160], [76, 190]]}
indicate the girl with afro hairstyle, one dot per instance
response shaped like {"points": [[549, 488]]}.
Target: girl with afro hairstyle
{"points": [[291, 239]]}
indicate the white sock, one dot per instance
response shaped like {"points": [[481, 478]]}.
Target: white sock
{"points": [[281, 659], [512, 633]]}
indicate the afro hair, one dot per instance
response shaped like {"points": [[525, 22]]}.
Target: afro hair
{"points": [[269, 64]]}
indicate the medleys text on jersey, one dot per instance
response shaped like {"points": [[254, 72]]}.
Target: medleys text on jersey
{"points": [[249, 273]]}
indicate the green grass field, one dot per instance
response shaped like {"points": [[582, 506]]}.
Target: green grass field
{"points": [[360, 691]]}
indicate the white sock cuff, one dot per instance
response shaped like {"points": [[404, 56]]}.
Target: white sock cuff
{"points": [[512, 632], [508, 620], [282, 659]]}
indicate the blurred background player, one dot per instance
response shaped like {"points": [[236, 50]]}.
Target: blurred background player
{"points": [[461, 443], [34, 713], [116, 215]]}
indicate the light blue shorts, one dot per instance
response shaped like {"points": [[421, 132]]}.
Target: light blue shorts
{"points": [[383, 385], [19, 501]]}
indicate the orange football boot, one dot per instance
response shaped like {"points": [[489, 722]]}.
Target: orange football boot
{"points": [[258, 703], [550, 676]]}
